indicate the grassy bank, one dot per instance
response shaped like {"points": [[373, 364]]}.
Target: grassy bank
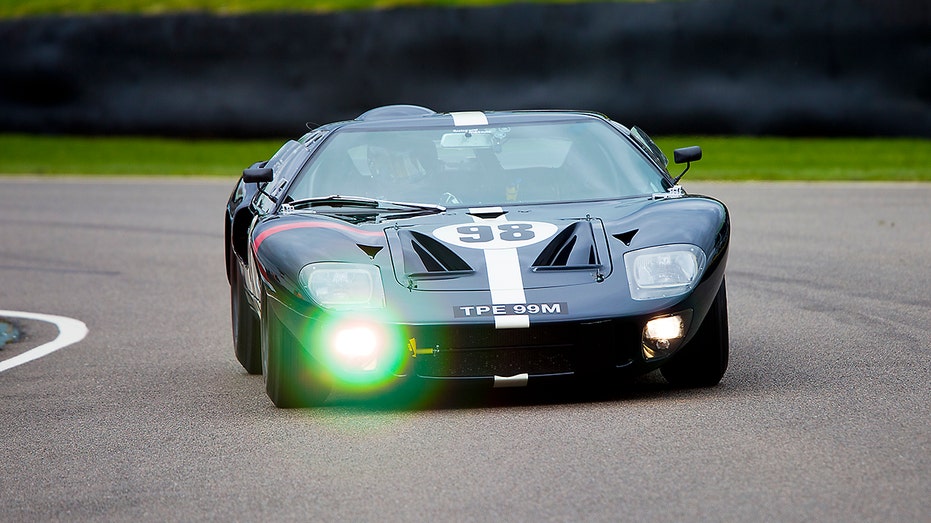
{"points": [[725, 158]]}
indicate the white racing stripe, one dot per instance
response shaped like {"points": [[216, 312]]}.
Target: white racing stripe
{"points": [[70, 331], [518, 380], [469, 118], [504, 278]]}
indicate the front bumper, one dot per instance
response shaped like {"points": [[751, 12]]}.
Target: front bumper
{"points": [[479, 352], [474, 352]]}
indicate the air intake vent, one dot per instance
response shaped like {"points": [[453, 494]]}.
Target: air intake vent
{"points": [[627, 237], [424, 255], [371, 250], [489, 213], [573, 248]]}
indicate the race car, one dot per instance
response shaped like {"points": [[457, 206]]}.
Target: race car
{"points": [[496, 249]]}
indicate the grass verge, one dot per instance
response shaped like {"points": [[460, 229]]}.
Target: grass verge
{"points": [[725, 158], [812, 159], [27, 154]]}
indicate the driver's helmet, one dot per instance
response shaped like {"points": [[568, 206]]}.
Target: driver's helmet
{"points": [[400, 164]]}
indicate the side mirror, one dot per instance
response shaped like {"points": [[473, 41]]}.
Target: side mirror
{"points": [[687, 154], [258, 174]]}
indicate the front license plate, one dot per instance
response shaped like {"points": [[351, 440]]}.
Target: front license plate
{"points": [[510, 309]]}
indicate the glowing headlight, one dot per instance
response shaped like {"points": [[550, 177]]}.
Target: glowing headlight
{"points": [[662, 336], [664, 271], [667, 328], [358, 350], [356, 347], [344, 285], [355, 342]]}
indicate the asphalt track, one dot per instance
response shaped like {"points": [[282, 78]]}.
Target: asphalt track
{"points": [[823, 415]]}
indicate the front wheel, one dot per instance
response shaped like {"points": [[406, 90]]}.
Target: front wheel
{"points": [[703, 361], [245, 328], [292, 379]]}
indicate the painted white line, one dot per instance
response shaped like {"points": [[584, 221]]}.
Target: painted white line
{"points": [[70, 331]]}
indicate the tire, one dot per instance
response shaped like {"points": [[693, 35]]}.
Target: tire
{"points": [[246, 327], [703, 361], [292, 377]]}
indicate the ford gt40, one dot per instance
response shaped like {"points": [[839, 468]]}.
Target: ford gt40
{"points": [[502, 249]]}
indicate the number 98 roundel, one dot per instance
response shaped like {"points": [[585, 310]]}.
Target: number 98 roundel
{"points": [[495, 235]]}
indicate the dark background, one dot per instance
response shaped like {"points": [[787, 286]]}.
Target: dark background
{"points": [[820, 67]]}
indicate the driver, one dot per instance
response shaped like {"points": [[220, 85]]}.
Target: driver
{"points": [[403, 172]]}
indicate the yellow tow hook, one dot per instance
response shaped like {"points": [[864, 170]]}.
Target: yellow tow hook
{"points": [[412, 348]]}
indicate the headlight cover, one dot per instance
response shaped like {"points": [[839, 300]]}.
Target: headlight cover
{"points": [[344, 286], [664, 271]]}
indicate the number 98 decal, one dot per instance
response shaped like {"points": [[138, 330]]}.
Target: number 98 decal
{"points": [[498, 235]]}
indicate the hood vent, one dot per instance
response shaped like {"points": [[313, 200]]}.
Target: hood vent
{"points": [[627, 237], [573, 248], [426, 257], [371, 250], [489, 213]]}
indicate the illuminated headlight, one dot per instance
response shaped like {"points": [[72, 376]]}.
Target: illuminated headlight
{"points": [[359, 350], [664, 271], [344, 285], [662, 336], [670, 327], [357, 347], [355, 342]]}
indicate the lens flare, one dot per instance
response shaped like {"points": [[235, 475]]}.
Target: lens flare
{"points": [[359, 352], [355, 342]]}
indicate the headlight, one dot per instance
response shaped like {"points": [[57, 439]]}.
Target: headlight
{"points": [[665, 328], [664, 271], [344, 285], [662, 336], [356, 347]]}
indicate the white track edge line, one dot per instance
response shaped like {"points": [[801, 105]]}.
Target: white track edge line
{"points": [[70, 331]]}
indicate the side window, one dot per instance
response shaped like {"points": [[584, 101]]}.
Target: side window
{"points": [[284, 164], [649, 146]]}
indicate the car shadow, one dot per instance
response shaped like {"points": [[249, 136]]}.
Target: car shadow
{"points": [[426, 396]]}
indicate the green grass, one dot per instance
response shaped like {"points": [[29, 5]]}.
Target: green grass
{"points": [[27, 154], [816, 159], [20, 8], [725, 158]]}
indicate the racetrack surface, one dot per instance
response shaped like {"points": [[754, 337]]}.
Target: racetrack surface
{"points": [[823, 414]]}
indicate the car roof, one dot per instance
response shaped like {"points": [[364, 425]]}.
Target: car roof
{"points": [[414, 116]]}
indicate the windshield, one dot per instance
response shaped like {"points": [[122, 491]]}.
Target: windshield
{"points": [[525, 163]]}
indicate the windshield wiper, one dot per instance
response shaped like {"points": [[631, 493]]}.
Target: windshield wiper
{"points": [[369, 204], [334, 200]]}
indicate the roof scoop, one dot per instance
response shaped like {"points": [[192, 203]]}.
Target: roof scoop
{"points": [[394, 111]]}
